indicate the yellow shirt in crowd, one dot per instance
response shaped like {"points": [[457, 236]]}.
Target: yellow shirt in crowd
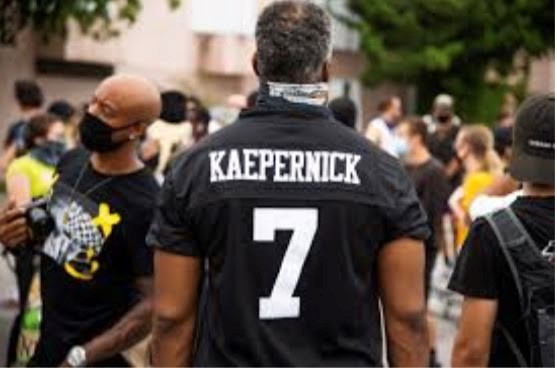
{"points": [[40, 175], [473, 185]]}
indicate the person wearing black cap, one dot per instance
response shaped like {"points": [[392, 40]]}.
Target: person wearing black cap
{"points": [[69, 116], [506, 268]]}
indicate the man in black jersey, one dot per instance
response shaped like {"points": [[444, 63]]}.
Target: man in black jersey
{"points": [[304, 226]]}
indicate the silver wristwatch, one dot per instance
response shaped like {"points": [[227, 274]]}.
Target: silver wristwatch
{"points": [[77, 357]]}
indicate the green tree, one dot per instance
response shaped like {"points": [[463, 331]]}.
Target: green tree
{"points": [[451, 45], [50, 17]]}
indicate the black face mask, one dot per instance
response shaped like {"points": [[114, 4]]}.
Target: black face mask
{"points": [[96, 135], [443, 119]]}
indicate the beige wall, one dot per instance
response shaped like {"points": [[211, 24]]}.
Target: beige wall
{"points": [[542, 75], [15, 63]]}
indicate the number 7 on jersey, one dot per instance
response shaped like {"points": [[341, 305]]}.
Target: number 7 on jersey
{"points": [[303, 221]]}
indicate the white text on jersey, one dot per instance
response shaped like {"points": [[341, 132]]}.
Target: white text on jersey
{"points": [[284, 166]]}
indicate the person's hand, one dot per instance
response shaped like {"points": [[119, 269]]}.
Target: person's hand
{"points": [[13, 226]]}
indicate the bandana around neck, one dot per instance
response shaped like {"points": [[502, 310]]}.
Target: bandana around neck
{"points": [[311, 94]]}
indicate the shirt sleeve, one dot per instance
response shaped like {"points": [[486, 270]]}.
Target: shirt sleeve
{"points": [[172, 228], [16, 167], [476, 270], [407, 219], [141, 255]]}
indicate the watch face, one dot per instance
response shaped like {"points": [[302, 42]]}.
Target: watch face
{"points": [[76, 357]]}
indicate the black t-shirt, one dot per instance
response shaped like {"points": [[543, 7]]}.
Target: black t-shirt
{"points": [[93, 256], [482, 272], [441, 144], [290, 209], [15, 134], [432, 188]]}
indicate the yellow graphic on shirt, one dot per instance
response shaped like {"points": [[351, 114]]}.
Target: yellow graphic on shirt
{"points": [[86, 264], [106, 220], [85, 236]]}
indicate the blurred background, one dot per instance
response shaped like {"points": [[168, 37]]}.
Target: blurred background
{"points": [[476, 50]]}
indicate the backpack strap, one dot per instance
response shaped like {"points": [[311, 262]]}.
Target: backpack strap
{"points": [[509, 232]]}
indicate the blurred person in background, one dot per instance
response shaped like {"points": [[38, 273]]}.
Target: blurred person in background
{"points": [[443, 126], [344, 111], [199, 117], [166, 135], [506, 269], [68, 114], [442, 112], [505, 119], [29, 97], [381, 129], [503, 141], [474, 146], [432, 189], [31, 176], [252, 99], [28, 178], [301, 225], [96, 268]]}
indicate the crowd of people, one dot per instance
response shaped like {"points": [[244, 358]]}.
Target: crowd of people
{"points": [[273, 240]]}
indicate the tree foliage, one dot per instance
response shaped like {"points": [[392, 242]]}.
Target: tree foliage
{"points": [[449, 45], [50, 17]]}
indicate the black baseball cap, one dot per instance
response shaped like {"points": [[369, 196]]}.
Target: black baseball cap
{"points": [[533, 158]]}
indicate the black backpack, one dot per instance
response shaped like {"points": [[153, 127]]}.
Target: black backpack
{"points": [[534, 279]]}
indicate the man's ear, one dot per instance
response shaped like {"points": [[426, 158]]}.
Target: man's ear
{"points": [[138, 129], [254, 64], [325, 71]]}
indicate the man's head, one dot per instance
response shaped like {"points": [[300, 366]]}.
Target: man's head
{"points": [[173, 107], [119, 113], [344, 110], [293, 43], [390, 108], [28, 94], [533, 153], [413, 131], [63, 109], [443, 108]]}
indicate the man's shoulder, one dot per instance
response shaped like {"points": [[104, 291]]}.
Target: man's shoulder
{"points": [[482, 236]]}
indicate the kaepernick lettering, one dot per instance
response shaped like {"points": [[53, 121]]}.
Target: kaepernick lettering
{"points": [[284, 166]]}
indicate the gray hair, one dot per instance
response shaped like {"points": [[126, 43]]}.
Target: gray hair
{"points": [[293, 41]]}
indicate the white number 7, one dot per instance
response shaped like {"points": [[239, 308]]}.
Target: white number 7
{"points": [[303, 221]]}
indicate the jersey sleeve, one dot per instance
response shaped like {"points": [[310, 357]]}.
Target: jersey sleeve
{"points": [[406, 219], [172, 228], [475, 273]]}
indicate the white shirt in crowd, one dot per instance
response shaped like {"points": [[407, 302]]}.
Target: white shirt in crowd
{"points": [[378, 132]]}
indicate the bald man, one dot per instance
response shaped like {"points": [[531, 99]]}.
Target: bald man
{"points": [[95, 267]]}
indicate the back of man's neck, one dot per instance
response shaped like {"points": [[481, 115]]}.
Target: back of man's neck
{"points": [[116, 163], [530, 190]]}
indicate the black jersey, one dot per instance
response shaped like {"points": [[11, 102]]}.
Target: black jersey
{"points": [[290, 208]]}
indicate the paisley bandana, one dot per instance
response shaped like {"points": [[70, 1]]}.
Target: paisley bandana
{"points": [[311, 94]]}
